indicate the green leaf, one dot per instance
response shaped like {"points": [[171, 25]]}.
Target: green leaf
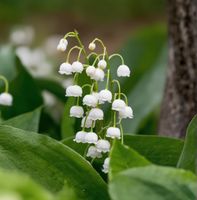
{"points": [[79, 148], [25, 189], [154, 183], [188, 158], [49, 162], [53, 87], [28, 121], [122, 157], [158, 150], [146, 54], [26, 94], [67, 123]]}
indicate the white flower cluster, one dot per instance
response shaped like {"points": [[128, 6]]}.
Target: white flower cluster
{"points": [[89, 105], [6, 98]]}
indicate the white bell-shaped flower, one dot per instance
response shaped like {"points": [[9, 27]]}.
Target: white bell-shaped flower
{"points": [[123, 71], [65, 68], [76, 111], [93, 153], [90, 71], [63, 43], [90, 100], [105, 96], [113, 132], [126, 112], [118, 104], [92, 46], [87, 123], [6, 99], [102, 64], [74, 91], [91, 138], [106, 165], [98, 75], [80, 137], [77, 67], [103, 146], [96, 114]]}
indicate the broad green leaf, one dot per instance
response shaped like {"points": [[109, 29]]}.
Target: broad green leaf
{"points": [[17, 186], [49, 162], [53, 87], [154, 183], [28, 121], [122, 157], [26, 94], [158, 150], [188, 158], [68, 123], [79, 148]]}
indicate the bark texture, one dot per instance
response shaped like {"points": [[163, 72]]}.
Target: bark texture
{"points": [[180, 95]]}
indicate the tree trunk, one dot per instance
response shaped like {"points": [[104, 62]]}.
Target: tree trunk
{"points": [[180, 95]]}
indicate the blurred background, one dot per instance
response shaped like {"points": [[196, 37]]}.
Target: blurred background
{"points": [[31, 30]]}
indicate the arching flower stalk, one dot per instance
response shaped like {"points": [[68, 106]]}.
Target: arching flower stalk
{"points": [[6, 98], [89, 106]]}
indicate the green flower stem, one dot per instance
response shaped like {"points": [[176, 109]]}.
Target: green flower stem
{"points": [[78, 101], [122, 134], [119, 89], [68, 55], [76, 78], [83, 129], [114, 118], [86, 150], [86, 85], [93, 64], [79, 55], [108, 77], [117, 55], [92, 53], [101, 42], [81, 45], [126, 99], [5, 82]]}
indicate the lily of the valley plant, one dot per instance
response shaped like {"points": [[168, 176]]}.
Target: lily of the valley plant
{"points": [[6, 98], [95, 130]]}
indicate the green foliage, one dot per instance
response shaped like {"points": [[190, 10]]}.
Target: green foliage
{"points": [[17, 186], [120, 162], [158, 150], [28, 121], [153, 183], [188, 158], [49, 163]]}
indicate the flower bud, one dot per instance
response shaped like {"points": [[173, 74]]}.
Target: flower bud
{"points": [[123, 70], [105, 96], [80, 137], [76, 111], [74, 91], [90, 100], [103, 146], [91, 137], [113, 132], [93, 153], [126, 112], [63, 43], [90, 71], [92, 46], [96, 114], [106, 165], [102, 64], [118, 104], [89, 123], [77, 67], [65, 68], [98, 75], [6, 99]]}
